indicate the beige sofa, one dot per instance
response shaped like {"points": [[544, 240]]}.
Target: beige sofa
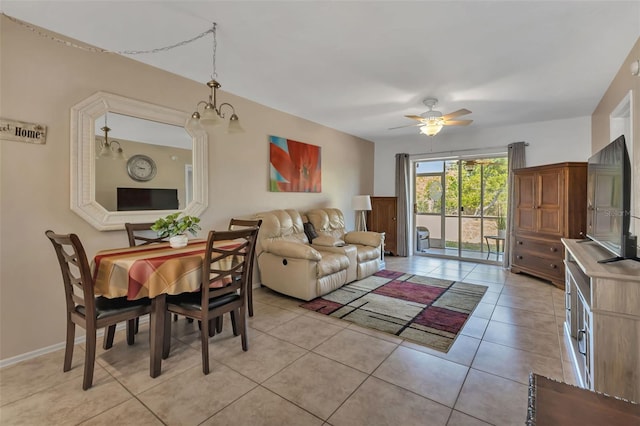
{"points": [[288, 264], [368, 244]]}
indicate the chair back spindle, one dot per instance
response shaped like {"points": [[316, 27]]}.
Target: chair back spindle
{"points": [[241, 224], [138, 234]]}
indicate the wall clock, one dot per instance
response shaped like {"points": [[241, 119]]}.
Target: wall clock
{"points": [[141, 168]]}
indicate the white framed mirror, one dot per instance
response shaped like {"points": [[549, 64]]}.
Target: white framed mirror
{"points": [[86, 158]]}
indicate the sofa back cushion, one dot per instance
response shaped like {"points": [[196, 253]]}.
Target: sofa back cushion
{"points": [[328, 221], [282, 225]]}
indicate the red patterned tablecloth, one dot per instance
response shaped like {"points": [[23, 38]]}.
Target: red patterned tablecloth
{"points": [[151, 270]]}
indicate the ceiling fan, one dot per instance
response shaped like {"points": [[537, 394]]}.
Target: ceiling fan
{"points": [[431, 122]]}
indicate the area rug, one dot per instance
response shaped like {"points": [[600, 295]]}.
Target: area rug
{"points": [[426, 310]]}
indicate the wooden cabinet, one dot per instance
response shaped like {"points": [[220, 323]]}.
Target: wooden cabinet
{"points": [[383, 218], [550, 204], [603, 319]]}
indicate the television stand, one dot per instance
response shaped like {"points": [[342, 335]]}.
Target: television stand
{"points": [[602, 303]]}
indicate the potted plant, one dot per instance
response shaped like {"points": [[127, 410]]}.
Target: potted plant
{"points": [[176, 227]]}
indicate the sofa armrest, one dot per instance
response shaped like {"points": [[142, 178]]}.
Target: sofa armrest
{"points": [[291, 249], [327, 241], [365, 238]]}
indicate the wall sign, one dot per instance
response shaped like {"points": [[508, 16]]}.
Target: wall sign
{"points": [[18, 131]]}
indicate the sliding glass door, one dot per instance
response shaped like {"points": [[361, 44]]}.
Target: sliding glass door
{"points": [[459, 206]]}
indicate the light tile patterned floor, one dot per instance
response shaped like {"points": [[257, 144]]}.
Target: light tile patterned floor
{"points": [[304, 368]]}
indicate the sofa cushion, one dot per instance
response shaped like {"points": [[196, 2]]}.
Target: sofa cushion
{"points": [[327, 221], [366, 253], [282, 225], [310, 231], [332, 263]]}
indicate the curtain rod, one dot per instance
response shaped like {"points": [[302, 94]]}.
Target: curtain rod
{"points": [[469, 150]]}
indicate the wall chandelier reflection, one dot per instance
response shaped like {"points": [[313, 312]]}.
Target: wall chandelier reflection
{"points": [[212, 114], [109, 148]]}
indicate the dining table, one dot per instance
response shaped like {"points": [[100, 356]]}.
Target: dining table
{"points": [[153, 271]]}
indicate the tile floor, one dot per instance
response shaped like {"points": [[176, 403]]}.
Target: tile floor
{"points": [[304, 368]]}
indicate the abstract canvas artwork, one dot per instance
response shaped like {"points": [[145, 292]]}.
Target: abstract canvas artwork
{"points": [[294, 166]]}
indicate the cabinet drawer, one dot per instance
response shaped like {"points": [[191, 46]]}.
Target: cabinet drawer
{"points": [[551, 249], [544, 266]]}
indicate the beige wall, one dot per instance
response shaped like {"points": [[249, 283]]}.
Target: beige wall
{"points": [[622, 83], [112, 174], [40, 80]]}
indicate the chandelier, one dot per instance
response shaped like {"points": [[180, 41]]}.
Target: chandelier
{"points": [[110, 148], [212, 114]]}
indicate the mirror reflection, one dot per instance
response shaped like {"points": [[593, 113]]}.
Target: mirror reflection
{"points": [[142, 164]]}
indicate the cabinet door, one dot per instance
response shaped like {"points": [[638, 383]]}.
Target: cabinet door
{"points": [[382, 218], [550, 204], [525, 197]]}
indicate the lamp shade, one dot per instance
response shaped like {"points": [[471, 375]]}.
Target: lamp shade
{"points": [[432, 127], [210, 117], [361, 202], [234, 125]]}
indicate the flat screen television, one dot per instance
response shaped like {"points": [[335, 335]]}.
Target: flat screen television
{"points": [[609, 201], [147, 199]]}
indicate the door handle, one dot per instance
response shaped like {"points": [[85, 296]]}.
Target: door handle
{"points": [[581, 334]]}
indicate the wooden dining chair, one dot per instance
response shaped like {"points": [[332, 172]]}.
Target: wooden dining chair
{"points": [[241, 224], [86, 310], [138, 234], [227, 266]]}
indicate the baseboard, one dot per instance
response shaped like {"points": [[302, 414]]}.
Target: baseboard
{"points": [[58, 346]]}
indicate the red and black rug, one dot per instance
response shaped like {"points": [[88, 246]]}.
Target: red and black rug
{"points": [[425, 310]]}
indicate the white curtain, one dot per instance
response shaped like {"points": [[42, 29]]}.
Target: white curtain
{"points": [[402, 192], [516, 160]]}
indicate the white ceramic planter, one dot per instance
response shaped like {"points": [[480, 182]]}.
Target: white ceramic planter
{"points": [[178, 241]]}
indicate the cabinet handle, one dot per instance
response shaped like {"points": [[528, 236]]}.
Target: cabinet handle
{"points": [[520, 242], [582, 333], [553, 266], [553, 249], [519, 257]]}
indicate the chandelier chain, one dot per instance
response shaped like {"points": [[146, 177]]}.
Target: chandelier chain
{"points": [[119, 52], [214, 74]]}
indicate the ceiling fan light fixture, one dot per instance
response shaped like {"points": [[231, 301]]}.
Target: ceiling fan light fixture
{"points": [[432, 127]]}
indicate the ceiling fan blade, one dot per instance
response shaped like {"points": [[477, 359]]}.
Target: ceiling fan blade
{"points": [[408, 125], [457, 122], [415, 117], [457, 113]]}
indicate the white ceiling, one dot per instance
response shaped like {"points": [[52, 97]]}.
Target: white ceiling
{"points": [[360, 66]]}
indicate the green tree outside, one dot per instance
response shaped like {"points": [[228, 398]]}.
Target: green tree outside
{"points": [[486, 176]]}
